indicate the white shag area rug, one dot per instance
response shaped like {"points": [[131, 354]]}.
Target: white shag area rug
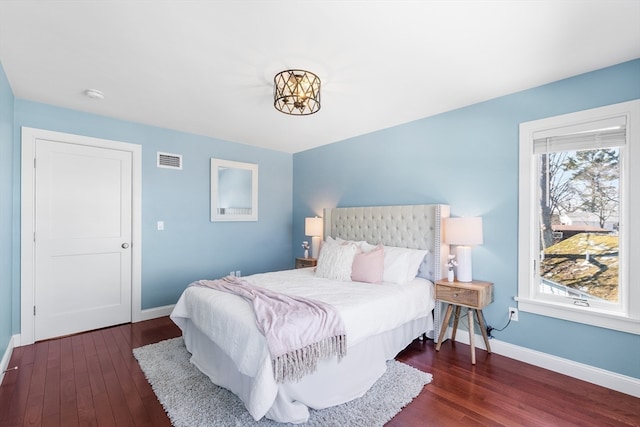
{"points": [[191, 399]]}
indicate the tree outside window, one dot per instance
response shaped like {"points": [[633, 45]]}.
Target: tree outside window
{"points": [[579, 206]]}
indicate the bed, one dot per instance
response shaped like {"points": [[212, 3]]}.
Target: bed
{"points": [[219, 329]]}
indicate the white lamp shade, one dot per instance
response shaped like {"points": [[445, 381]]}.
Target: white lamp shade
{"points": [[313, 227], [463, 231]]}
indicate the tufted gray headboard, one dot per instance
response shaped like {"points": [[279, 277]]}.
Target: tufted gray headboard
{"points": [[407, 226]]}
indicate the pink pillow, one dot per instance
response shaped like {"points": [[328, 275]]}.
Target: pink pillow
{"points": [[368, 266]]}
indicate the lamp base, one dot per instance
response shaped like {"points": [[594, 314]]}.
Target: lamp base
{"points": [[463, 253], [315, 246]]}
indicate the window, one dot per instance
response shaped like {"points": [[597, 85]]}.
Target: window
{"points": [[579, 238]]}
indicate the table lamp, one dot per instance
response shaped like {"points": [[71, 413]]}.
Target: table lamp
{"points": [[463, 232], [313, 229]]}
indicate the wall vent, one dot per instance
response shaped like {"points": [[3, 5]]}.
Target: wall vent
{"points": [[170, 161]]}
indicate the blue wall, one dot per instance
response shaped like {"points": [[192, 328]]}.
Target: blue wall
{"points": [[191, 247], [468, 158], [6, 191]]}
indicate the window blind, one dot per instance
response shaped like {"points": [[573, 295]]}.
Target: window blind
{"points": [[604, 133]]}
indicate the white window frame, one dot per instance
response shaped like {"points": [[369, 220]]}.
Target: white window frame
{"points": [[627, 317]]}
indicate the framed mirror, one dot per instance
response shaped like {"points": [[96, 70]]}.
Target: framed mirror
{"points": [[234, 191]]}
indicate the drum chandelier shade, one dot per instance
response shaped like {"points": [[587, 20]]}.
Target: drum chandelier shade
{"points": [[296, 92]]}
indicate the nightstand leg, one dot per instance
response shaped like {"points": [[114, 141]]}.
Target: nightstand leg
{"points": [[455, 322], [471, 334], [445, 324], [483, 328]]}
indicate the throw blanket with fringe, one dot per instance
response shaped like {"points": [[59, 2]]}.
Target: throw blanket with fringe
{"points": [[299, 331]]}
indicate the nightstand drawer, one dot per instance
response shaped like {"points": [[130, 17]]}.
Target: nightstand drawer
{"points": [[457, 295], [470, 294]]}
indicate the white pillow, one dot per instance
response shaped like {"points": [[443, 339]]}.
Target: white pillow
{"points": [[401, 264], [335, 260], [364, 246]]}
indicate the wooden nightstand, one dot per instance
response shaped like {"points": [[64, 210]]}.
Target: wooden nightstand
{"points": [[475, 296], [306, 262]]}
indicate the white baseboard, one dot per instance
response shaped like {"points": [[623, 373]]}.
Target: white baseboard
{"points": [[154, 313], [581, 371], [4, 364]]}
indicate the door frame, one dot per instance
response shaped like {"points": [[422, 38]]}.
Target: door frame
{"points": [[27, 218]]}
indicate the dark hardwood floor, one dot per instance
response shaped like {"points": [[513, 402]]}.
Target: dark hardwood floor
{"points": [[92, 379]]}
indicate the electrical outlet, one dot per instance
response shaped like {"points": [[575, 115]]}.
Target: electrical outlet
{"points": [[238, 273], [513, 314]]}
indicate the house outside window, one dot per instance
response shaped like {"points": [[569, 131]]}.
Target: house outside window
{"points": [[578, 230]]}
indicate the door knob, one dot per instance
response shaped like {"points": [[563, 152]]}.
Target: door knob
{"points": [[125, 245]]}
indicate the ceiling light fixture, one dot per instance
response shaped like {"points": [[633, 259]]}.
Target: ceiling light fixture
{"points": [[94, 94], [296, 92]]}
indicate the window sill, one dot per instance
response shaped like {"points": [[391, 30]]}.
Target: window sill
{"points": [[588, 316]]}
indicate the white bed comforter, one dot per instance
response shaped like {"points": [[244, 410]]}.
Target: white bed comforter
{"points": [[366, 310]]}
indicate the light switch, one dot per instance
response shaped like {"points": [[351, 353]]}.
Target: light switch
{"points": [[160, 225]]}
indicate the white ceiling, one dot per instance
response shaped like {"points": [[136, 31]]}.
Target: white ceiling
{"points": [[207, 67]]}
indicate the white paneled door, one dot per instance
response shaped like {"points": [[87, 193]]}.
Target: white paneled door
{"points": [[82, 237]]}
